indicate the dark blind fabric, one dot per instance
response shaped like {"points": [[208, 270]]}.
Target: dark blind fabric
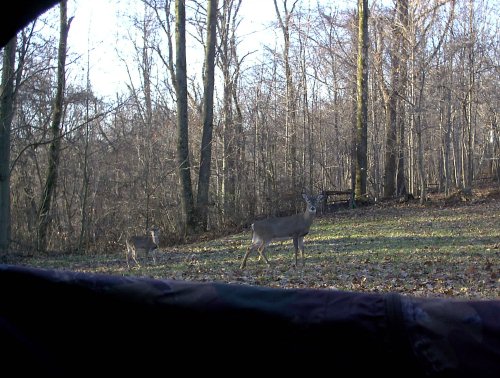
{"points": [[66, 323]]}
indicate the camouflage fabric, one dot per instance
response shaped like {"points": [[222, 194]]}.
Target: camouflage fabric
{"points": [[66, 323], [454, 337]]}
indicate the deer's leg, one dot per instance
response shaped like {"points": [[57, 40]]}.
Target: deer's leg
{"points": [[152, 252], [296, 248], [244, 262], [134, 257], [301, 247], [262, 254], [127, 253]]}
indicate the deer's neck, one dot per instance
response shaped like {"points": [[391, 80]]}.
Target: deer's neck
{"points": [[309, 216]]}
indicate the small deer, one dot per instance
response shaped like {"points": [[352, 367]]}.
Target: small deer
{"points": [[292, 227], [149, 244]]}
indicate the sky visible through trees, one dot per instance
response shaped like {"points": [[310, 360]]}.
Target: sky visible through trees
{"points": [[100, 28]]}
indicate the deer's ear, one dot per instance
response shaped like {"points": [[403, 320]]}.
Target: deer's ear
{"points": [[304, 196], [319, 197]]}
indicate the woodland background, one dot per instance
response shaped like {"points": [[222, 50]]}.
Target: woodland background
{"points": [[285, 123]]}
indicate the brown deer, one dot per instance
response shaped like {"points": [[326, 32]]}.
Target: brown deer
{"points": [[149, 244], [283, 228]]}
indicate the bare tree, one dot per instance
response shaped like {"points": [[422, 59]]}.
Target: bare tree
{"points": [[422, 55], [207, 116], [180, 83], [143, 95], [291, 105], [6, 115], [362, 101], [400, 79], [55, 145], [393, 95], [468, 103], [231, 122]]}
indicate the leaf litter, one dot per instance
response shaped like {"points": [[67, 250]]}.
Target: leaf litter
{"points": [[430, 250]]}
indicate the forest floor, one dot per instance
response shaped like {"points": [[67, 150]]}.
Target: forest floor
{"points": [[448, 247]]}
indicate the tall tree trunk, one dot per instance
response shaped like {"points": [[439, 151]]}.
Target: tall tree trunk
{"points": [[291, 106], [402, 16], [468, 106], [394, 103], [241, 172], [6, 115], [391, 136], [353, 120], [389, 100], [419, 130], [55, 145], [231, 133], [228, 154], [228, 127], [208, 115], [84, 227], [362, 101], [448, 128], [180, 81], [148, 119]]}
